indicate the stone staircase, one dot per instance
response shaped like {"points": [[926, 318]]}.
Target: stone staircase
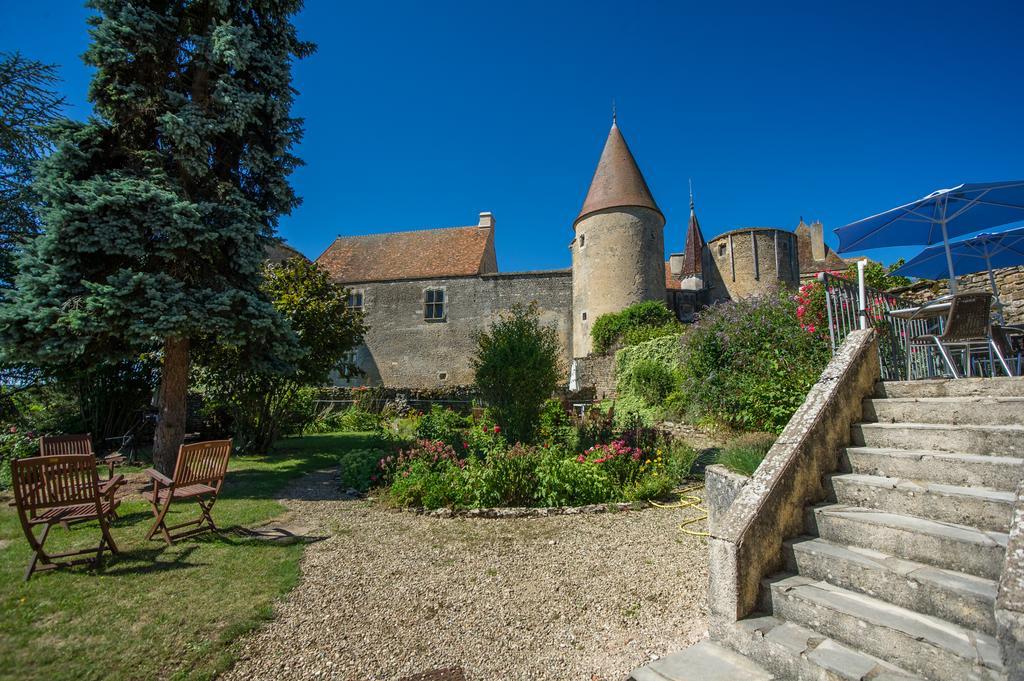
{"points": [[895, 578]]}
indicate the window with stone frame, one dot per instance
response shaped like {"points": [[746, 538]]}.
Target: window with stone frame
{"points": [[355, 300], [434, 304], [721, 250]]}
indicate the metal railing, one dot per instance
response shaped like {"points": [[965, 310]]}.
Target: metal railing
{"points": [[842, 303]]}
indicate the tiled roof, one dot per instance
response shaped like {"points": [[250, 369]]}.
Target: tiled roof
{"points": [[694, 252], [280, 251], [808, 265], [419, 254], [671, 283], [617, 181]]}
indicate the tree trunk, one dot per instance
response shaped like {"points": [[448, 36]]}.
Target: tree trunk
{"points": [[170, 425]]}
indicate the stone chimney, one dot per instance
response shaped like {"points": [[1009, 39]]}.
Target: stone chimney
{"points": [[486, 220], [675, 264], [817, 240]]}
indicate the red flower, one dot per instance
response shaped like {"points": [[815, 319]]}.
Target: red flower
{"points": [[497, 429]]}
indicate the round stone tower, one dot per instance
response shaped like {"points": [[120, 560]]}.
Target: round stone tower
{"points": [[618, 253]]}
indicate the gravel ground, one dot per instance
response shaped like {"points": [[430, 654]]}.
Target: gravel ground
{"points": [[390, 594]]}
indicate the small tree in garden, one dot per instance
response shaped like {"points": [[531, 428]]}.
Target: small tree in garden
{"points": [[157, 211], [261, 397], [517, 368]]}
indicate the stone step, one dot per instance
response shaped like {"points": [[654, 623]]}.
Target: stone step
{"points": [[704, 661], [943, 545], [966, 470], [964, 387], [954, 596], [792, 651], [977, 411], [963, 439], [921, 644], [980, 507]]}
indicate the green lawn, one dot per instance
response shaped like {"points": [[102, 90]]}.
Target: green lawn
{"points": [[154, 611]]}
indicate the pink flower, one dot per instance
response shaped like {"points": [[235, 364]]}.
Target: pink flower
{"points": [[811, 328]]}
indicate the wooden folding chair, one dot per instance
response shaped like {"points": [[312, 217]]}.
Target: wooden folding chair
{"points": [[61, 445], [81, 445], [198, 476], [50, 490]]}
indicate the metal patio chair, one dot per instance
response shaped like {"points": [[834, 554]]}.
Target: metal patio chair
{"points": [[968, 327], [64, 489]]}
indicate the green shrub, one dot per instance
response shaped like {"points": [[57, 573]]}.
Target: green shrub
{"points": [[652, 486], [745, 453], [444, 424], [611, 328], [14, 444], [679, 459], [643, 334], [675, 407], [510, 477], [749, 365], [558, 427], [358, 468], [651, 381], [517, 368], [647, 373], [566, 481], [483, 438]]}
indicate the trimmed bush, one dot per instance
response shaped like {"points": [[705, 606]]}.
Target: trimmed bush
{"points": [[612, 328]]}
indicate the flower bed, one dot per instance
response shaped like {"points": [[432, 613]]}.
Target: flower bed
{"points": [[468, 464]]}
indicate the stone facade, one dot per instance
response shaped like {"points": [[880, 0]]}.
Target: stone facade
{"points": [[750, 262], [596, 372], [403, 349], [617, 260]]}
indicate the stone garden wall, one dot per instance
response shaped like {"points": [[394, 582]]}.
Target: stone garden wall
{"points": [[1009, 280]]}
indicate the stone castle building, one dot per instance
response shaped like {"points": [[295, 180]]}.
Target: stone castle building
{"points": [[426, 293]]}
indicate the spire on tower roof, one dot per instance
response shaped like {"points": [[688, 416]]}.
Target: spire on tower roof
{"points": [[617, 181], [694, 250]]}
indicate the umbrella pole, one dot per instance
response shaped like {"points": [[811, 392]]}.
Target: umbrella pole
{"points": [[995, 288], [949, 258]]}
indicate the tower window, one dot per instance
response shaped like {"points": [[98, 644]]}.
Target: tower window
{"points": [[434, 306], [584, 316], [583, 240], [355, 300], [721, 250], [442, 375]]}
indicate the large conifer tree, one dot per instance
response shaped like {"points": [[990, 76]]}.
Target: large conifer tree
{"points": [[158, 210]]}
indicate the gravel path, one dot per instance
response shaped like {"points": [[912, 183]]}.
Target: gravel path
{"points": [[390, 594]]}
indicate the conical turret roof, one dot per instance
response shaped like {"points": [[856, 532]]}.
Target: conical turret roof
{"points": [[617, 181], [693, 254]]}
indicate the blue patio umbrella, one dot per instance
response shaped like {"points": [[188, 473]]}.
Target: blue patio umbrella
{"points": [[938, 216], [977, 254]]}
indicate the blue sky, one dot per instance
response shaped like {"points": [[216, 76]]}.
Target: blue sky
{"points": [[423, 114]]}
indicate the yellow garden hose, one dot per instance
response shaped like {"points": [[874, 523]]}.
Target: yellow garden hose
{"points": [[687, 499]]}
